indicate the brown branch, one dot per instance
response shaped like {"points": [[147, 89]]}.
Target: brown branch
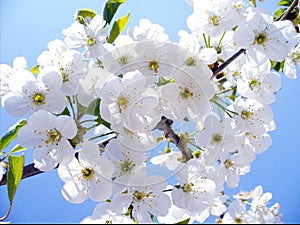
{"points": [[227, 62], [165, 126]]}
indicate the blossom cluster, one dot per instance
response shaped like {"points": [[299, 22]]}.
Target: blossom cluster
{"points": [[150, 128]]}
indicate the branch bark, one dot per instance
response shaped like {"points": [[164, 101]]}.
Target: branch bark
{"points": [[227, 62]]}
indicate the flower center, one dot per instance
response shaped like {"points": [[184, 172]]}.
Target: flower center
{"points": [[87, 173], [65, 76], [138, 196], [228, 163], [254, 83], [39, 99], [185, 93], [122, 102], [216, 138], [261, 38], [54, 136], [91, 41], [295, 56], [187, 187], [127, 166], [190, 61], [238, 220], [123, 60], [246, 114], [153, 65], [128, 132], [215, 20]]}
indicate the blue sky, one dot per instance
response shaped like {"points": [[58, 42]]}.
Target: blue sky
{"points": [[26, 28]]}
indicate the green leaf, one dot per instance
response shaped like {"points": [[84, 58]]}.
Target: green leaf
{"points": [[276, 65], [14, 174], [82, 14], [17, 148], [117, 28], [103, 122], [278, 12], [285, 3], [35, 70], [93, 107], [184, 221], [110, 9], [233, 94], [11, 134], [66, 112]]}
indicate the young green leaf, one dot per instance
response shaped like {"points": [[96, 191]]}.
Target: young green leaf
{"points": [[82, 14], [11, 134], [35, 70], [285, 2], [93, 107], [17, 148], [117, 28], [110, 9], [14, 174], [184, 221]]}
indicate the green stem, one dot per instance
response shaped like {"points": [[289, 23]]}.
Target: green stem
{"points": [[99, 136], [219, 43], [205, 41], [72, 107], [7, 213]]}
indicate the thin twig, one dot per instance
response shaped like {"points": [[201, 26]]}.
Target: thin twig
{"points": [[227, 62]]}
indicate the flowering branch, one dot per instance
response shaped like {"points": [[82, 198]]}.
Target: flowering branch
{"points": [[165, 126], [29, 170]]}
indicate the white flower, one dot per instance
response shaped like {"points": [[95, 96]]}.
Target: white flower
{"points": [[260, 143], [87, 176], [120, 55], [68, 63], [214, 17], [194, 51], [254, 117], [237, 214], [291, 62], [262, 37], [169, 160], [35, 94], [236, 164], [259, 205], [90, 36], [259, 83], [125, 160], [148, 31], [103, 214], [193, 91], [217, 136], [193, 192], [146, 195], [6, 72], [90, 87], [48, 135], [130, 100]]}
